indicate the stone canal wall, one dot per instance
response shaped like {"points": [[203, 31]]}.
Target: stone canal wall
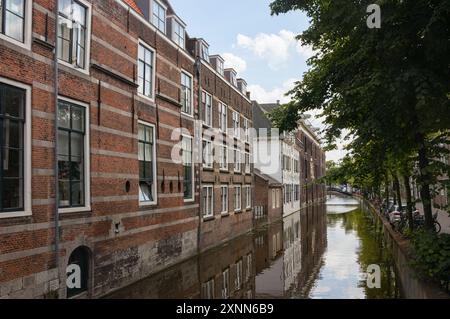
{"points": [[412, 287]]}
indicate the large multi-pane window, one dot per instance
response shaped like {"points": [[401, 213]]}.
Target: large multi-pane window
{"points": [[145, 70], [12, 128], [238, 278], [246, 130], [205, 52], [224, 157], [208, 201], [237, 198], [12, 19], [226, 284], [223, 116], [224, 199], [208, 289], [188, 170], [208, 156], [72, 32], [207, 108], [186, 93], [237, 160], [220, 67], [178, 33], [159, 16], [236, 125], [147, 163], [71, 154], [247, 163], [248, 196]]}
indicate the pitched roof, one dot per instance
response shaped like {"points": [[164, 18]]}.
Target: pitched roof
{"points": [[133, 4]]}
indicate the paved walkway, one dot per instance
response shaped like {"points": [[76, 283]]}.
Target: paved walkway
{"points": [[443, 218]]}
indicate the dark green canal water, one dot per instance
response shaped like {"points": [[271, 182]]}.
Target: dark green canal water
{"points": [[320, 252]]}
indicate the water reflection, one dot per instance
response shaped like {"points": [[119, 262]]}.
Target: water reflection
{"points": [[320, 252]]}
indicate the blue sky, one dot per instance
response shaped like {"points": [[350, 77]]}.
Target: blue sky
{"points": [[261, 47]]}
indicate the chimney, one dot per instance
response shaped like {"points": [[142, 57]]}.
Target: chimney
{"points": [[248, 95]]}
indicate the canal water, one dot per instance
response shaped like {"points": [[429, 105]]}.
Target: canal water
{"points": [[320, 252]]}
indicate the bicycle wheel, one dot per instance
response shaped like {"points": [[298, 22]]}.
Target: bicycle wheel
{"points": [[437, 227]]}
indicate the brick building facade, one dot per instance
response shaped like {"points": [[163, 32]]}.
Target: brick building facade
{"points": [[110, 200]]}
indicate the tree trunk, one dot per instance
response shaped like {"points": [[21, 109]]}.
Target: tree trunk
{"points": [[397, 189], [386, 190], [425, 192], [409, 203]]}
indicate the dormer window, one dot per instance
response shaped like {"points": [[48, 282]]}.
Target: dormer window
{"points": [[242, 86], [204, 52], [233, 79], [178, 32], [220, 67], [159, 16]]}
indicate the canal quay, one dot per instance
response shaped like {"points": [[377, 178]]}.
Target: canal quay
{"points": [[320, 252]]}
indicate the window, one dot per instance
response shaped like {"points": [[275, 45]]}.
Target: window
{"points": [[226, 284], [12, 19], [188, 170], [224, 157], [249, 267], [296, 166], [274, 198], [236, 125], [207, 108], [73, 33], [237, 160], [238, 279], [233, 79], [248, 197], [247, 163], [72, 155], [14, 133], [146, 61], [178, 33], [224, 199], [186, 93], [208, 289], [237, 198], [223, 116], [205, 52], [208, 157], [220, 67], [207, 201], [246, 130], [147, 163], [159, 16], [296, 193]]}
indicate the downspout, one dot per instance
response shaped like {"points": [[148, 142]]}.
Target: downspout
{"points": [[56, 72], [197, 67]]}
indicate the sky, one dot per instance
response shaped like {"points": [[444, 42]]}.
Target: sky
{"points": [[260, 47]]}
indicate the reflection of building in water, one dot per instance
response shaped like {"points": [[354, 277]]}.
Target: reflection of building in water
{"points": [[304, 241]]}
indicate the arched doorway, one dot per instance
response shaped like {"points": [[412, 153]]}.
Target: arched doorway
{"points": [[78, 272]]}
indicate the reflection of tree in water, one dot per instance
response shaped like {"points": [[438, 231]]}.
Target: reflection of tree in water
{"points": [[372, 250]]}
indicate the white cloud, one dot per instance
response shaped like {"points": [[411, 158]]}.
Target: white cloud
{"points": [[274, 48], [262, 95], [235, 62]]}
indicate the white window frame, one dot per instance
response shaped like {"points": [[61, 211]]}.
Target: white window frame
{"points": [[165, 15], [207, 111], [192, 199], [248, 196], [237, 160], [220, 67], [226, 283], [205, 156], [210, 191], [191, 114], [236, 201], [27, 139], [246, 130], [155, 163], [224, 187], [223, 117], [87, 50], [239, 274], [223, 165], [87, 164], [204, 49], [153, 88], [27, 28], [274, 198], [236, 125], [176, 37], [209, 287], [247, 163]]}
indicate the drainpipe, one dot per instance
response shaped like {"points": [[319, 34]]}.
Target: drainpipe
{"points": [[56, 139], [197, 68]]}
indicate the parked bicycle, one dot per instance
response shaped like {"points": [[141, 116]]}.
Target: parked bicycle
{"points": [[418, 220]]}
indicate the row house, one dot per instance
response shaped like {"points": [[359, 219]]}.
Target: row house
{"points": [[268, 202], [91, 197], [298, 161]]}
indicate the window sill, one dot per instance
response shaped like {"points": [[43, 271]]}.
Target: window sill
{"points": [[191, 116], [74, 210], [239, 211], [73, 67], [147, 204], [209, 218], [207, 168], [15, 214], [146, 98], [225, 214], [191, 200]]}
